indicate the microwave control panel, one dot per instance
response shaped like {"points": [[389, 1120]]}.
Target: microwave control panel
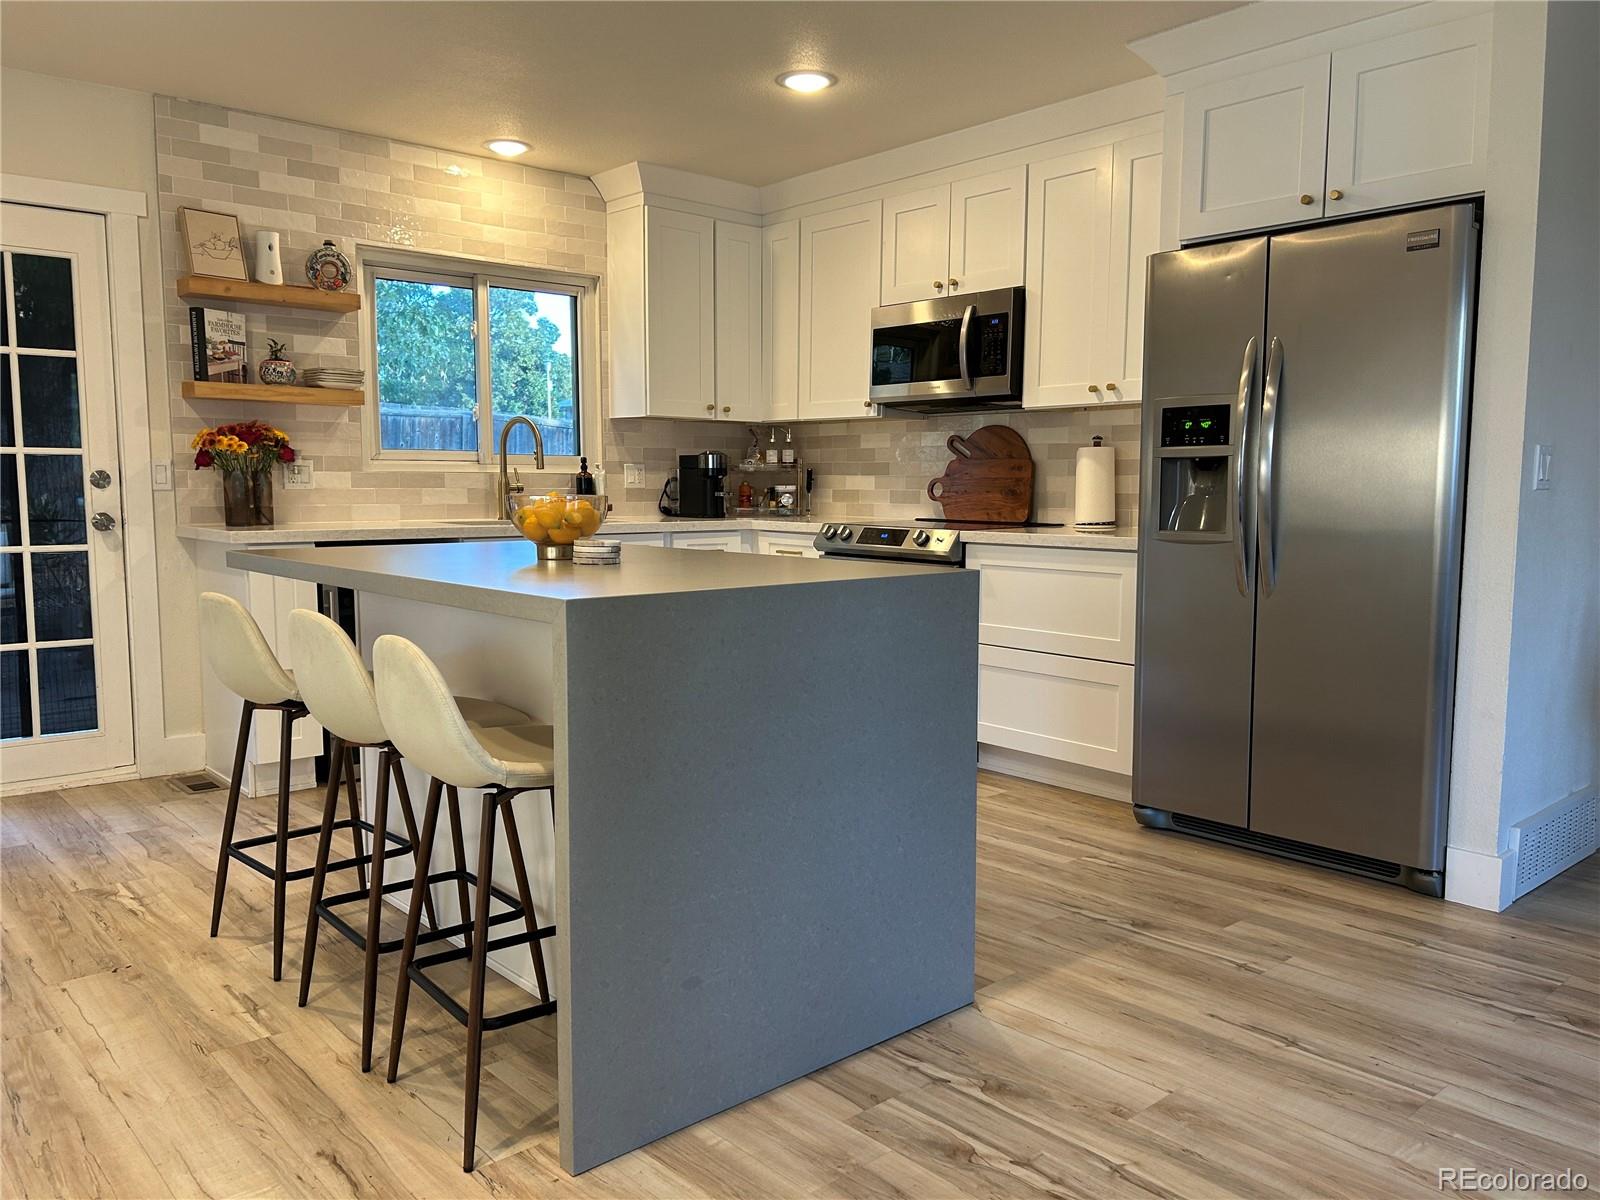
{"points": [[993, 343]]}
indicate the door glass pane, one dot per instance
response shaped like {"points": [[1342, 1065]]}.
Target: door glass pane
{"points": [[55, 500], [7, 436], [61, 607], [10, 518], [5, 290], [49, 388], [16, 698], [43, 287], [533, 339], [427, 366], [13, 601], [66, 690]]}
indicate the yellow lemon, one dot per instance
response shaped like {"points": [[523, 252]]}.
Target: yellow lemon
{"points": [[547, 514], [589, 520], [563, 535]]}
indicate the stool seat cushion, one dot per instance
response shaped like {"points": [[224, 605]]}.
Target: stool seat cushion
{"points": [[234, 646], [525, 754], [490, 714]]}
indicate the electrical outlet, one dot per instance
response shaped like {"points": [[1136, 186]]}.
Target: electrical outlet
{"points": [[161, 477], [631, 475], [1541, 468], [297, 476]]}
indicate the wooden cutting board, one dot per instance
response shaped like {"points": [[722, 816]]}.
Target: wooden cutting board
{"points": [[989, 479]]}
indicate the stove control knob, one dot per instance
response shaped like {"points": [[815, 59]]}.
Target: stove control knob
{"points": [[920, 537], [846, 533], [828, 531]]}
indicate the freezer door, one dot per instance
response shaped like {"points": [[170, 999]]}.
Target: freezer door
{"points": [[1360, 492], [1203, 331]]}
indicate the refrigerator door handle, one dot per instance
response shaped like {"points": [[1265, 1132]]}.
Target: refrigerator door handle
{"points": [[1241, 565], [1267, 552]]}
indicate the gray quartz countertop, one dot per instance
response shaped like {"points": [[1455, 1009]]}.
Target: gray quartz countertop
{"points": [[1121, 538], [506, 577]]}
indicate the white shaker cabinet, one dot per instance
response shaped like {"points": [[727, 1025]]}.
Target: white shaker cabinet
{"points": [[1069, 245], [1408, 118], [1254, 149], [1135, 236], [731, 542], [839, 277], [741, 391], [662, 310], [781, 313], [955, 238]]}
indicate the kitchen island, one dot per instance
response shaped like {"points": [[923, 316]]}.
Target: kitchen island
{"points": [[762, 858]]}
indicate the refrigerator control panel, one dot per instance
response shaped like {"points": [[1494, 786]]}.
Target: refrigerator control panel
{"points": [[1195, 425]]}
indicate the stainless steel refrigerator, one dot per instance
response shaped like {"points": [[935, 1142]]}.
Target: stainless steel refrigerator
{"points": [[1304, 456]]}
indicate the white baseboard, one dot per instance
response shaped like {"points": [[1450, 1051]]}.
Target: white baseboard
{"points": [[1538, 848], [1477, 879], [173, 755], [61, 783], [1023, 765]]}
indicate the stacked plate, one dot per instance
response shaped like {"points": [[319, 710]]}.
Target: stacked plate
{"points": [[596, 552], [345, 378]]}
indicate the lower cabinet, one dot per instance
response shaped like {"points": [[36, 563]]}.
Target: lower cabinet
{"points": [[793, 545], [1076, 710], [732, 541], [637, 539]]}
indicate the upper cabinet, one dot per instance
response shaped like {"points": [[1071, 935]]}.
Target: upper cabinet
{"points": [[1383, 124], [1094, 219], [965, 236], [662, 307], [780, 342], [741, 374], [839, 285]]}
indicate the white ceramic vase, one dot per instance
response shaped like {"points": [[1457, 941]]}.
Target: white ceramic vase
{"points": [[269, 259]]}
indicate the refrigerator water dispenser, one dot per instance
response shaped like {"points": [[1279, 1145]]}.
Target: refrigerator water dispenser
{"points": [[1193, 472]]}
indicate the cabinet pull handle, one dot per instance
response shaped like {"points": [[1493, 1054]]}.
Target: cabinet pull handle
{"points": [[1111, 387], [866, 404], [1336, 194], [1095, 388], [1305, 198], [954, 282], [938, 285], [726, 409], [711, 408]]}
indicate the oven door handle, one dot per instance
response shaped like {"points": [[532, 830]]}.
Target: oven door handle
{"points": [[961, 350]]}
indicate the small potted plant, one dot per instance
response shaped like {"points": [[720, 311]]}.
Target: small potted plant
{"points": [[275, 368], [244, 453]]}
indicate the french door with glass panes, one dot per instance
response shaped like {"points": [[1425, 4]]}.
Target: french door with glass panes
{"points": [[65, 703]]}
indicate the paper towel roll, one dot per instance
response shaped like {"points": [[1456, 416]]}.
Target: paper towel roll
{"points": [[1097, 493]]}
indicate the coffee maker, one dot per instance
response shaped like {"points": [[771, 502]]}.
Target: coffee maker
{"points": [[697, 488]]}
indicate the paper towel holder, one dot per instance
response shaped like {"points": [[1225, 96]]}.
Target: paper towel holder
{"points": [[1102, 506]]}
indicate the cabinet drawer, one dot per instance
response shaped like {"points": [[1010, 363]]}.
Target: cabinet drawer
{"points": [[798, 545], [1073, 710], [733, 542], [1078, 602], [636, 539]]}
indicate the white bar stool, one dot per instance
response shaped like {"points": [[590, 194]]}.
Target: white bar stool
{"points": [[245, 664], [335, 686], [424, 721]]}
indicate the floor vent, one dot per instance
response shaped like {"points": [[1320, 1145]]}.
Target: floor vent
{"points": [[1551, 840], [1265, 841], [195, 784]]}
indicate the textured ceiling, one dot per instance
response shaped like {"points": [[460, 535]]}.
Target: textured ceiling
{"points": [[594, 85]]}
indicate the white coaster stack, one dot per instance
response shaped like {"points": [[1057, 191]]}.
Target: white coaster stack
{"points": [[349, 379], [596, 553]]}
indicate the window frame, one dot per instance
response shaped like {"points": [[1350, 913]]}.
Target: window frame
{"points": [[480, 274]]}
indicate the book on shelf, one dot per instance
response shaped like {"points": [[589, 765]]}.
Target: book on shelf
{"points": [[217, 346]]}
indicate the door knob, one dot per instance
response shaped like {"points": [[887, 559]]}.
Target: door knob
{"points": [[100, 479], [1336, 194], [938, 285], [1305, 198], [103, 521]]}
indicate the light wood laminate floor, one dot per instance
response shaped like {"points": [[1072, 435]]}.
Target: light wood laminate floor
{"points": [[1156, 1017]]}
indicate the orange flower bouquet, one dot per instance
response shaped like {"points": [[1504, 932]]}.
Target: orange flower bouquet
{"points": [[244, 453]]}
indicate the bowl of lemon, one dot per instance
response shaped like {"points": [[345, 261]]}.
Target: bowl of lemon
{"points": [[555, 520]]}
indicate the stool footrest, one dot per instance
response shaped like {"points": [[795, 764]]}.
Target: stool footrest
{"points": [[459, 953], [358, 936], [236, 850]]}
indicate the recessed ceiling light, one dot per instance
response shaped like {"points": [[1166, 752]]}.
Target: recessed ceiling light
{"points": [[506, 147], [807, 81]]}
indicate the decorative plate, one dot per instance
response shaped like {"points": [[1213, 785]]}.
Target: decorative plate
{"points": [[328, 269]]}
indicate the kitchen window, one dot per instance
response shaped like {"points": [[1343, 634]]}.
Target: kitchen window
{"points": [[455, 354]]}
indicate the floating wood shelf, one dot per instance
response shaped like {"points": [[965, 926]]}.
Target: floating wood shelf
{"points": [[195, 390], [200, 287]]}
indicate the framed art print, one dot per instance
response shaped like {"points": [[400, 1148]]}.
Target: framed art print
{"points": [[213, 243]]}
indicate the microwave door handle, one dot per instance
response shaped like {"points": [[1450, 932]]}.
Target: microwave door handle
{"points": [[1241, 562], [961, 350]]}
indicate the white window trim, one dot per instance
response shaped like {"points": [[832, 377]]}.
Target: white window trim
{"points": [[389, 258]]}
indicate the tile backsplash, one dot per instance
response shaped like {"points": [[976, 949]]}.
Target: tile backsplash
{"points": [[311, 183]]}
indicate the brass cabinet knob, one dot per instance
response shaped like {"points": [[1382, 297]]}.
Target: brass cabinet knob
{"points": [[711, 408], [866, 404], [1336, 194], [1111, 387], [955, 282], [1094, 387], [1305, 198], [726, 408], [938, 285]]}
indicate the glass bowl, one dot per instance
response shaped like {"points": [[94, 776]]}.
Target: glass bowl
{"points": [[555, 520]]}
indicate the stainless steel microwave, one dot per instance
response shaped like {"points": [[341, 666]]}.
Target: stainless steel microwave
{"points": [[950, 355]]}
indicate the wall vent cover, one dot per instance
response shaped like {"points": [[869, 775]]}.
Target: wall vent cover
{"points": [[1554, 838]]}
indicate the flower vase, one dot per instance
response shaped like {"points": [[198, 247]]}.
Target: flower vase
{"points": [[238, 499], [262, 490]]}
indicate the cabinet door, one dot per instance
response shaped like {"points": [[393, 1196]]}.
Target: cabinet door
{"points": [[680, 321], [1070, 709], [1069, 242], [793, 545], [839, 263], [1135, 236], [1408, 118], [1057, 600], [988, 217], [780, 346], [1254, 149], [741, 381], [732, 542], [916, 244]]}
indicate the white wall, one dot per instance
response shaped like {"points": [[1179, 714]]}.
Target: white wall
{"points": [[66, 130]]}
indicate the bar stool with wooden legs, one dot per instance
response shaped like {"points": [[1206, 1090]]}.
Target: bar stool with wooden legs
{"points": [[426, 725], [239, 654], [335, 686]]}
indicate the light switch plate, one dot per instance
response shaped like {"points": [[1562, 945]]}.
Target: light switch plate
{"points": [[297, 476], [631, 475], [161, 477], [1541, 468]]}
